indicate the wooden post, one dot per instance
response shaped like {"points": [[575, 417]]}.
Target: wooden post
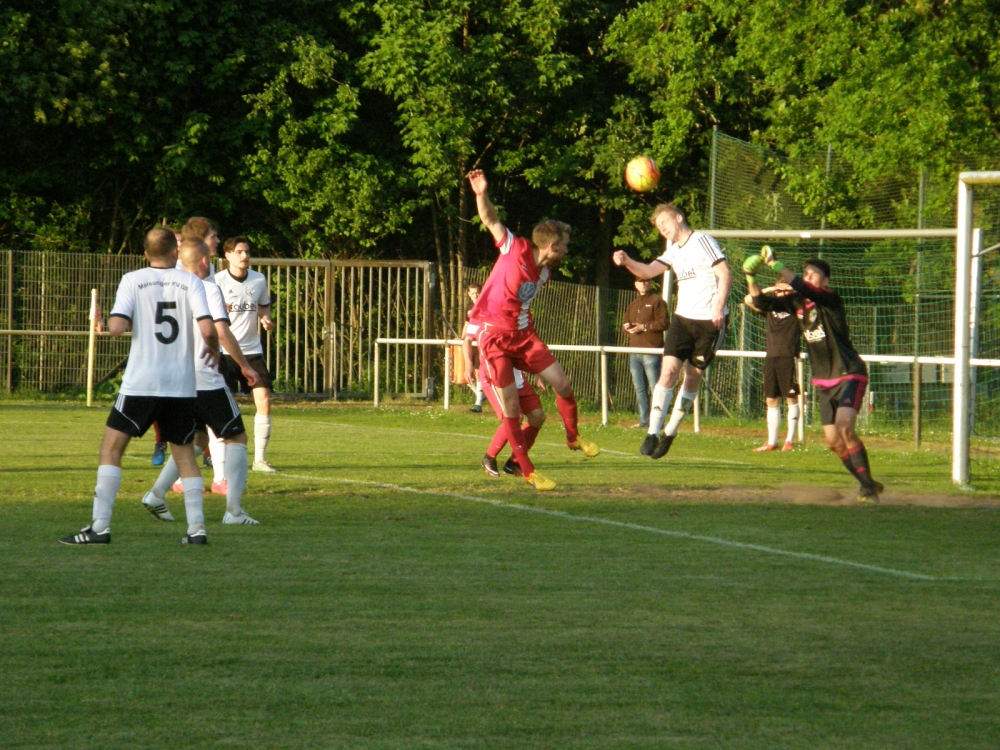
{"points": [[91, 346], [377, 374], [604, 388], [447, 376]]}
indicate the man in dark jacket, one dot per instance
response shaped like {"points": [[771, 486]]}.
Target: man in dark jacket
{"points": [[645, 322]]}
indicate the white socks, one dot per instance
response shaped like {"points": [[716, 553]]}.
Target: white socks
{"points": [[236, 474], [681, 409], [217, 448], [168, 475], [479, 393], [109, 478], [194, 488], [793, 422], [658, 408], [774, 423], [261, 436]]}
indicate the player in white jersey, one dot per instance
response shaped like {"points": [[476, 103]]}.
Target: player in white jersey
{"points": [[216, 407], [248, 303], [162, 305], [698, 324]]}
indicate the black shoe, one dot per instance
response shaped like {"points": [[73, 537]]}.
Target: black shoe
{"points": [[87, 536], [476, 409], [206, 460], [197, 538], [871, 494], [648, 445], [490, 466], [512, 467], [662, 446]]}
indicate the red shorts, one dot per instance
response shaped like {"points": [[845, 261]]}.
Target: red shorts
{"points": [[501, 352], [526, 394]]}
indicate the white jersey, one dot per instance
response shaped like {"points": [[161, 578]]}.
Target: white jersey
{"points": [[243, 297], [162, 304], [211, 272], [209, 378], [693, 264]]}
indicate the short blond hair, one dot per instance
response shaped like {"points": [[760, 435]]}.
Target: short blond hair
{"points": [[548, 231], [159, 242], [666, 208], [191, 252], [197, 228]]}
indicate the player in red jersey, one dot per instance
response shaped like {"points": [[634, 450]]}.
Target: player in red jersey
{"points": [[508, 339], [530, 407], [839, 374]]}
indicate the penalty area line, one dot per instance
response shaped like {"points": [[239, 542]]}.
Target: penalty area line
{"points": [[633, 526]]}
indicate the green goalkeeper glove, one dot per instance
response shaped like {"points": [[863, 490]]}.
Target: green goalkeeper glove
{"points": [[767, 256], [750, 266]]}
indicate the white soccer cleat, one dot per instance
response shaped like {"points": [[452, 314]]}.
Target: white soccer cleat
{"points": [[241, 520], [157, 507], [264, 466]]}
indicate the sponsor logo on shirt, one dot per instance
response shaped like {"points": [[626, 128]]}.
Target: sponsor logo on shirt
{"points": [[527, 291], [241, 306], [817, 334]]}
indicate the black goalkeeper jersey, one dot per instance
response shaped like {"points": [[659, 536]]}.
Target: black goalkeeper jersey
{"points": [[821, 315], [782, 339]]}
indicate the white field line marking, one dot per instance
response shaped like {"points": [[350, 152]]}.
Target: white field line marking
{"points": [[632, 526], [627, 454]]}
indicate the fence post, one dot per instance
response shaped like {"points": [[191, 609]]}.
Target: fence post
{"points": [[91, 346], [10, 321], [604, 388], [696, 410], [800, 370], [712, 178], [446, 384], [378, 376]]}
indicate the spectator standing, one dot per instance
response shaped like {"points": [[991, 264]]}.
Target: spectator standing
{"points": [[645, 322]]}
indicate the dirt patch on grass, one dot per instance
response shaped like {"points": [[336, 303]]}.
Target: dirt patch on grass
{"points": [[796, 494]]}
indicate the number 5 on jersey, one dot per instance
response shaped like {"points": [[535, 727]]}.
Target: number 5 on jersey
{"points": [[169, 320]]}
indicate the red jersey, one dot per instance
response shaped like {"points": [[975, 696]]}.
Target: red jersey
{"points": [[505, 300]]}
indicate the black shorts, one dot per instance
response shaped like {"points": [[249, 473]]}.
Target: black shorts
{"points": [[234, 377], [218, 410], [695, 341], [780, 377], [847, 393], [133, 415]]}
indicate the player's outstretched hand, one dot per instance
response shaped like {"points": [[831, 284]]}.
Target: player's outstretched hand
{"points": [[266, 323], [752, 264], [620, 257], [251, 376], [477, 181], [767, 255], [211, 357]]}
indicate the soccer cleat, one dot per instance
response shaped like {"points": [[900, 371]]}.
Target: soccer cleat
{"points": [[765, 448], [177, 487], [87, 535], [157, 507], [787, 446], [159, 454], [477, 409], [490, 466], [198, 537], [264, 467], [512, 467], [648, 445], [241, 520], [870, 495], [220, 488], [206, 460], [539, 482], [588, 447], [662, 446]]}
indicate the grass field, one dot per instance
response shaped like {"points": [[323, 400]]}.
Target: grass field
{"points": [[395, 597]]}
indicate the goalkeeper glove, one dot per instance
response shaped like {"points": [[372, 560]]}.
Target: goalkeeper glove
{"points": [[767, 255], [750, 266]]}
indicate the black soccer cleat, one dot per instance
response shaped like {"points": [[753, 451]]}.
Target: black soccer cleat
{"points": [[662, 446], [198, 537], [870, 495], [490, 466], [206, 460], [87, 535], [512, 467], [648, 445]]}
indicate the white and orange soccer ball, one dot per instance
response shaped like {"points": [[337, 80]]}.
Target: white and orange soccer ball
{"points": [[642, 174]]}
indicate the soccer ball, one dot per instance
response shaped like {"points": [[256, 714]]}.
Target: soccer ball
{"points": [[642, 175]]}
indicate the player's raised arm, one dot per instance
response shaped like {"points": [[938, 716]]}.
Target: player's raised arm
{"points": [[638, 269], [487, 211]]}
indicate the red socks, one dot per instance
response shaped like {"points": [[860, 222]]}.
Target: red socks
{"points": [[567, 410], [517, 444], [498, 442]]}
